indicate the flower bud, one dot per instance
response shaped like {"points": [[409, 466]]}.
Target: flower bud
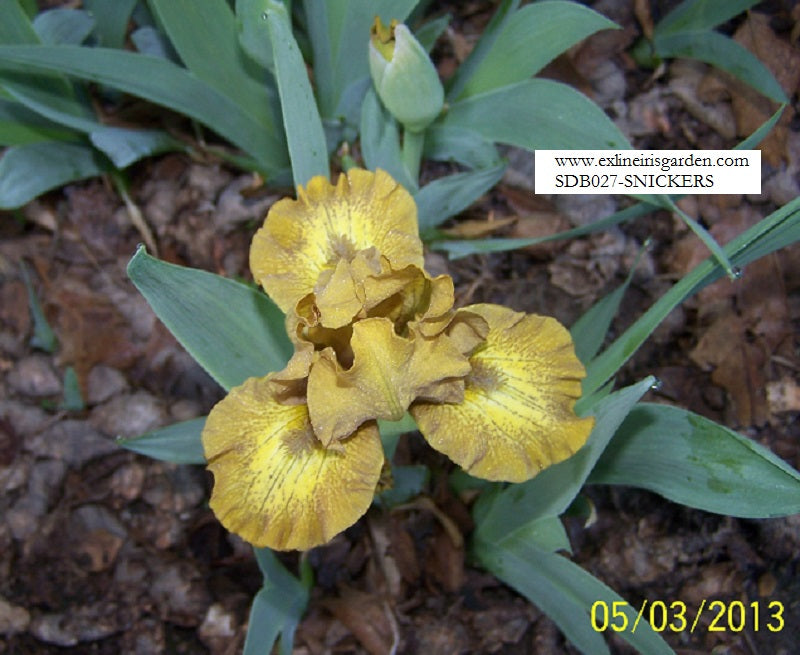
{"points": [[404, 76]]}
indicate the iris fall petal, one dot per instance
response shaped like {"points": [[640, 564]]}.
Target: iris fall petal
{"points": [[275, 485], [517, 414]]}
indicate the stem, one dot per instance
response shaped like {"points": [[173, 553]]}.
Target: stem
{"points": [[134, 213], [412, 152]]}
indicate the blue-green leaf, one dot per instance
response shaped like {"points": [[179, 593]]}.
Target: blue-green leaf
{"points": [[253, 36], [752, 141], [43, 335], [126, 146], [501, 512], [277, 607], [20, 125], [567, 593], [178, 443], [462, 248], [112, 18], [697, 462], [428, 34], [307, 148], [149, 41], [530, 39], [391, 431], [52, 96], [339, 35], [697, 15], [447, 196], [380, 141], [537, 115], [460, 145], [407, 482], [777, 230], [15, 27], [724, 53], [704, 235], [589, 331], [161, 82], [63, 26], [73, 398], [233, 331], [501, 18], [28, 171], [205, 36]]}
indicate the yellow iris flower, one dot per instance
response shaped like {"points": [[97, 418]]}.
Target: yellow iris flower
{"points": [[296, 455]]}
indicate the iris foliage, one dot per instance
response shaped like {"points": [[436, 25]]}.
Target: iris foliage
{"points": [[245, 91]]}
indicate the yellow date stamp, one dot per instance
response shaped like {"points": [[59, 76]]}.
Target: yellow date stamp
{"points": [[677, 616]]}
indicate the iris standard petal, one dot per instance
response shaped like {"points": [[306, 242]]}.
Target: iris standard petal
{"points": [[275, 485], [517, 415], [302, 238]]}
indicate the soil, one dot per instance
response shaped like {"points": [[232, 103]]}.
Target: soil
{"points": [[105, 551]]}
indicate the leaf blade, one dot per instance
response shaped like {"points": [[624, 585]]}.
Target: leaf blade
{"points": [[566, 593], [277, 607], [30, 170], [447, 196], [500, 513], [724, 53], [537, 114], [194, 304], [216, 58], [777, 230], [160, 82], [380, 141], [703, 464], [178, 443], [126, 146], [308, 150], [530, 39], [697, 15]]}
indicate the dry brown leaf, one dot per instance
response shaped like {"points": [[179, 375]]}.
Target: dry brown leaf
{"points": [[750, 108], [704, 95], [538, 218], [14, 312], [477, 228], [562, 69], [402, 550], [523, 202], [715, 580], [587, 265], [365, 615], [460, 44], [737, 365], [90, 332], [382, 541], [445, 561], [783, 395], [539, 225], [641, 8], [98, 550]]}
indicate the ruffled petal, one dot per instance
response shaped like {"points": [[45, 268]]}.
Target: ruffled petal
{"points": [[517, 415], [387, 374], [337, 300], [275, 485], [302, 238]]}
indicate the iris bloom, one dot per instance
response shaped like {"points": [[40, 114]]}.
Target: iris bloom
{"points": [[296, 455]]}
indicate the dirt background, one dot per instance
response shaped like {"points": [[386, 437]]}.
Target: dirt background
{"points": [[104, 551]]}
